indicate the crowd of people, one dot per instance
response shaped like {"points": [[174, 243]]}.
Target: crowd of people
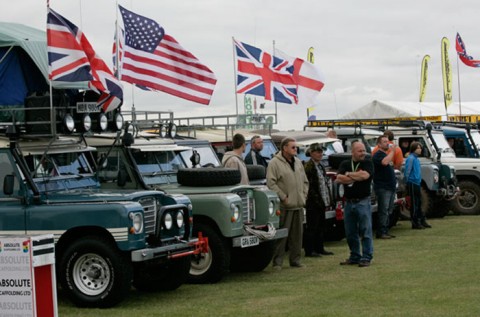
{"points": [[304, 185]]}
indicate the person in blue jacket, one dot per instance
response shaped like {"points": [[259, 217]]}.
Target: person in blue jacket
{"points": [[413, 179]]}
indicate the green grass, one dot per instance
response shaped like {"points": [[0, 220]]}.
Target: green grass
{"points": [[432, 272]]}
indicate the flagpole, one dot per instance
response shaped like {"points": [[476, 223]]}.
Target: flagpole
{"points": [[276, 114], [459, 95], [234, 77]]}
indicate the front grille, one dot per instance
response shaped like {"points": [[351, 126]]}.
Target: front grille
{"points": [[149, 214], [248, 207]]}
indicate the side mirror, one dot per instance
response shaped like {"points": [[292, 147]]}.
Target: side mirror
{"points": [[195, 158], [8, 185]]}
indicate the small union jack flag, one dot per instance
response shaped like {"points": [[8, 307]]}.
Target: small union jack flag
{"points": [[261, 74], [71, 58], [462, 54]]}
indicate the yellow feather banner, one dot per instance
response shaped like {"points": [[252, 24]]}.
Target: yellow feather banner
{"points": [[447, 73], [310, 57], [423, 77]]}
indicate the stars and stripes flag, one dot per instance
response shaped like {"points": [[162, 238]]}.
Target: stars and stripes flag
{"points": [[462, 54], [152, 59], [71, 58], [261, 74], [308, 77]]}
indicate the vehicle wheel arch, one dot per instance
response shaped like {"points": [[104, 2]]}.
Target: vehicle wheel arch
{"points": [[79, 232]]}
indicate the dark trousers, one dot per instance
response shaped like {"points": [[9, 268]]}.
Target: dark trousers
{"points": [[314, 230], [416, 214]]}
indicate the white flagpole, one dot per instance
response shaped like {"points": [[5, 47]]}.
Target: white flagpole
{"points": [[459, 95], [235, 77], [276, 115]]}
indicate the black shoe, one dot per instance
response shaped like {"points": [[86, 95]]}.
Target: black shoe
{"points": [[313, 255], [364, 263], [324, 252], [416, 226], [426, 225]]}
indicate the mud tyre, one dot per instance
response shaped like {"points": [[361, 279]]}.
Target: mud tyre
{"points": [[94, 273], [212, 266], [468, 200], [256, 172], [209, 176]]}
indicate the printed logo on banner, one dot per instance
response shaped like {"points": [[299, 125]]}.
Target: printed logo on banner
{"points": [[26, 245]]}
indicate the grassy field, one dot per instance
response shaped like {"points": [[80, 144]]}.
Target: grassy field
{"points": [[432, 272]]}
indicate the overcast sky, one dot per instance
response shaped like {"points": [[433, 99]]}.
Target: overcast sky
{"points": [[367, 49]]}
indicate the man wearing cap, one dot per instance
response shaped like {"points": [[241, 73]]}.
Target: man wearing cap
{"points": [[318, 199]]}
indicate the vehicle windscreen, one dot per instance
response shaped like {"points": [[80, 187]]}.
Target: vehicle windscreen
{"points": [[158, 167], [207, 156], [61, 171], [476, 138], [443, 145]]}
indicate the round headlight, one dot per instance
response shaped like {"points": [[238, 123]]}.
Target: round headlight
{"points": [[172, 130], [137, 222], [435, 177], [235, 211], [87, 123], [102, 122], [68, 122], [118, 121], [163, 130], [271, 208], [168, 221], [180, 219]]}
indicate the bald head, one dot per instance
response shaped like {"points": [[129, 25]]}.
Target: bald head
{"points": [[358, 151]]}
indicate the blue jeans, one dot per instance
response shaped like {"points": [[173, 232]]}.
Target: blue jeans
{"points": [[358, 227], [385, 199]]}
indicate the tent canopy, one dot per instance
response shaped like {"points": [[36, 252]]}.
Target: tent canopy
{"points": [[24, 64], [404, 109]]}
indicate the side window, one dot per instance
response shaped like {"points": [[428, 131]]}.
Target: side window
{"points": [[406, 142], [6, 168]]}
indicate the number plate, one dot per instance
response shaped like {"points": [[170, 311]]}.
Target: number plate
{"points": [[87, 107], [249, 241]]}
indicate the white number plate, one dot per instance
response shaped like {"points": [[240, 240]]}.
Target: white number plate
{"points": [[249, 241], [87, 107]]}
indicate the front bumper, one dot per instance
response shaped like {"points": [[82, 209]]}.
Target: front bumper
{"points": [[178, 250]]}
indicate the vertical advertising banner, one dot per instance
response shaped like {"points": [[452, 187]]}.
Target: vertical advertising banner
{"points": [[423, 77], [16, 285], [248, 111], [310, 56], [447, 73]]}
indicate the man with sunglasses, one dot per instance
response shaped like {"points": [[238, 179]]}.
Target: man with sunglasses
{"points": [[254, 157], [286, 176]]}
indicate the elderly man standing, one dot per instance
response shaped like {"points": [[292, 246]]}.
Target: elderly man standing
{"points": [[254, 157], [356, 177], [317, 200], [286, 176]]}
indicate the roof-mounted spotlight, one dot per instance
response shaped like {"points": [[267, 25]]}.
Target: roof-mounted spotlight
{"points": [[84, 124], [163, 130], [172, 130], [68, 123], [118, 121], [99, 122]]}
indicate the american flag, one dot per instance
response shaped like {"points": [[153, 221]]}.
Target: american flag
{"points": [[71, 58], [462, 53], [261, 74], [152, 59]]}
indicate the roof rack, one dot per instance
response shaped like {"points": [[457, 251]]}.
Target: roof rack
{"points": [[403, 122], [227, 123]]}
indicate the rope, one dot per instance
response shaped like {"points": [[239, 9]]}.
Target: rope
{"points": [[262, 235]]}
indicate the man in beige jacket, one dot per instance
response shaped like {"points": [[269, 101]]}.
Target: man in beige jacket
{"points": [[286, 176]]}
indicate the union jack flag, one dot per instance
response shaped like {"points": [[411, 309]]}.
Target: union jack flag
{"points": [[261, 74], [462, 54], [71, 58]]}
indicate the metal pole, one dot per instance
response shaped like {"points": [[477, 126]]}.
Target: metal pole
{"points": [[459, 95], [276, 115], [235, 76]]}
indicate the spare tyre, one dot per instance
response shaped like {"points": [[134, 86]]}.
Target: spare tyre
{"points": [[256, 172], [209, 176]]}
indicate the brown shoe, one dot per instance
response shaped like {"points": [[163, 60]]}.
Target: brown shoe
{"points": [[348, 262], [364, 263]]}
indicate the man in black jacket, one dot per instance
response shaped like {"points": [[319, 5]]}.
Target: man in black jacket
{"points": [[317, 200], [254, 157]]}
